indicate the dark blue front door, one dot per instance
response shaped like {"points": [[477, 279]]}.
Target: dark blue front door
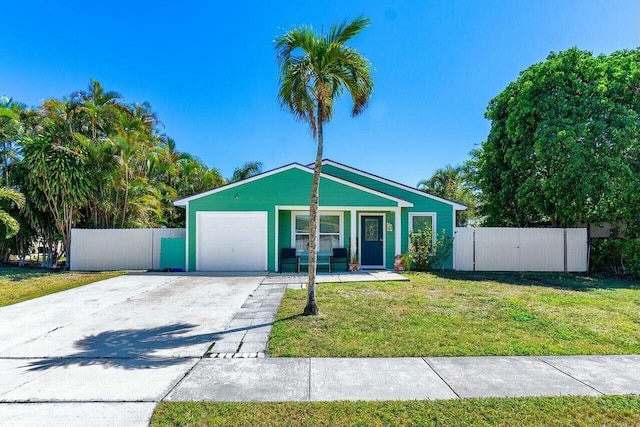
{"points": [[371, 240]]}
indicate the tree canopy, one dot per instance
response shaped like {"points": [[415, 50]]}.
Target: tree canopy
{"points": [[452, 183], [90, 160], [564, 143]]}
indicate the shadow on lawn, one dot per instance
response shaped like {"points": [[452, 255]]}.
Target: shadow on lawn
{"points": [[565, 281], [133, 348]]}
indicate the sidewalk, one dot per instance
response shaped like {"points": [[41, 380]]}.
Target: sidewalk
{"points": [[327, 379]]}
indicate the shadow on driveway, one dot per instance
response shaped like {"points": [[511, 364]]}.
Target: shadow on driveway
{"points": [[133, 348]]}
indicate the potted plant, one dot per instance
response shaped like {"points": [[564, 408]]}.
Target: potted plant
{"points": [[353, 263], [403, 262]]}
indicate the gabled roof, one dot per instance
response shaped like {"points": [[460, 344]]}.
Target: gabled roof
{"points": [[457, 206], [401, 203]]}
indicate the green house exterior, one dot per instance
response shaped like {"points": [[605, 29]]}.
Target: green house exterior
{"points": [[243, 226]]}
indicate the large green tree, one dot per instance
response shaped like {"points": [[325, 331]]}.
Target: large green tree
{"points": [[315, 69], [564, 143]]}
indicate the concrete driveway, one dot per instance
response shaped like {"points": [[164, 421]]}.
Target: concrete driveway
{"points": [[105, 353]]}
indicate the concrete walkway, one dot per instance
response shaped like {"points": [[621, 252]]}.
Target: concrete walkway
{"points": [[327, 379]]}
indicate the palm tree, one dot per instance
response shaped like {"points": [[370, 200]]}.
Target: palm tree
{"points": [[451, 182], [314, 71], [444, 182], [245, 171], [11, 225], [10, 130]]}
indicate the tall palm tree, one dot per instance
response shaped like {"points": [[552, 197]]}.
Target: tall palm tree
{"points": [[315, 69]]}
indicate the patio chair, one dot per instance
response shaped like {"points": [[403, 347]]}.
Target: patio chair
{"points": [[289, 261], [339, 260]]}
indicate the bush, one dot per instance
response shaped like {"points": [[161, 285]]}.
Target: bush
{"points": [[617, 256], [427, 252]]}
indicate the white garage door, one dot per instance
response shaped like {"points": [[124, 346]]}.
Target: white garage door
{"points": [[231, 241]]}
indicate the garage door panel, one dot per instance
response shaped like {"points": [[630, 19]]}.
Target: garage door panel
{"points": [[231, 241]]}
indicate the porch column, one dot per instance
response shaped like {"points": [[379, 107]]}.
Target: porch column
{"points": [[277, 240], [398, 231], [354, 227]]}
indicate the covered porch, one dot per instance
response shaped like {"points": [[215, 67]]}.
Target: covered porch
{"points": [[373, 234]]}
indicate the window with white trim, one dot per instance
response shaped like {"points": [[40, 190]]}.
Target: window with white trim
{"points": [[419, 220], [329, 236]]}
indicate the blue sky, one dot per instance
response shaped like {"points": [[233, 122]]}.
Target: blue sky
{"points": [[208, 69]]}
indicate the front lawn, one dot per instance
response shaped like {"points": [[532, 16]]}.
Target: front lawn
{"points": [[463, 314], [530, 411], [20, 284]]}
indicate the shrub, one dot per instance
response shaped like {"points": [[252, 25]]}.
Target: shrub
{"points": [[617, 256], [427, 252]]}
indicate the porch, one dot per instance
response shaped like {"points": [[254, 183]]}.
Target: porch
{"points": [[372, 234]]}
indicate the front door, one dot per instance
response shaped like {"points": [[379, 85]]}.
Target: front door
{"points": [[372, 241]]}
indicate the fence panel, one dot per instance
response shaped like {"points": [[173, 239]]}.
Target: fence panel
{"points": [[520, 249], [577, 250], [118, 249], [497, 249], [463, 249], [541, 249]]}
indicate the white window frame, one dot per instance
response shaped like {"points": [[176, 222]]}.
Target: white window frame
{"points": [[434, 223], [339, 214]]}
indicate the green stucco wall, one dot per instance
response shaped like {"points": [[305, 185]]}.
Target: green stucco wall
{"points": [[444, 211]]}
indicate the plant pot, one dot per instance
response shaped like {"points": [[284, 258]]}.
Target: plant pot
{"points": [[354, 267]]}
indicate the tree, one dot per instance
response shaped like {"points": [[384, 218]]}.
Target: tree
{"points": [[10, 225], [10, 129], [245, 171], [57, 182], [451, 183], [314, 71], [564, 143]]}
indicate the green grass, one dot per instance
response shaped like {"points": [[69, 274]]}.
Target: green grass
{"points": [[21, 284], [538, 411], [463, 314]]}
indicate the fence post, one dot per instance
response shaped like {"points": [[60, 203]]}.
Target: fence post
{"points": [[474, 249], [564, 233]]}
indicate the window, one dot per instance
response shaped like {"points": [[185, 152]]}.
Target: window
{"points": [[420, 220], [329, 236]]}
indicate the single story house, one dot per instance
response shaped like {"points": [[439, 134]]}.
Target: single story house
{"points": [[243, 226]]}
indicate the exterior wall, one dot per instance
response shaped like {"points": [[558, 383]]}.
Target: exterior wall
{"points": [[119, 249], [444, 212], [289, 188]]}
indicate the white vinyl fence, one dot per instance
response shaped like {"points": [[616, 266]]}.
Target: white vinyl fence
{"points": [[520, 249], [119, 249]]}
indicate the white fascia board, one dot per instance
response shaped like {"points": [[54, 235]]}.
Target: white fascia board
{"points": [[456, 206], [401, 203]]}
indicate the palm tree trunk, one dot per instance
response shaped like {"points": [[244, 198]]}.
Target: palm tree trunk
{"points": [[312, 306]]}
